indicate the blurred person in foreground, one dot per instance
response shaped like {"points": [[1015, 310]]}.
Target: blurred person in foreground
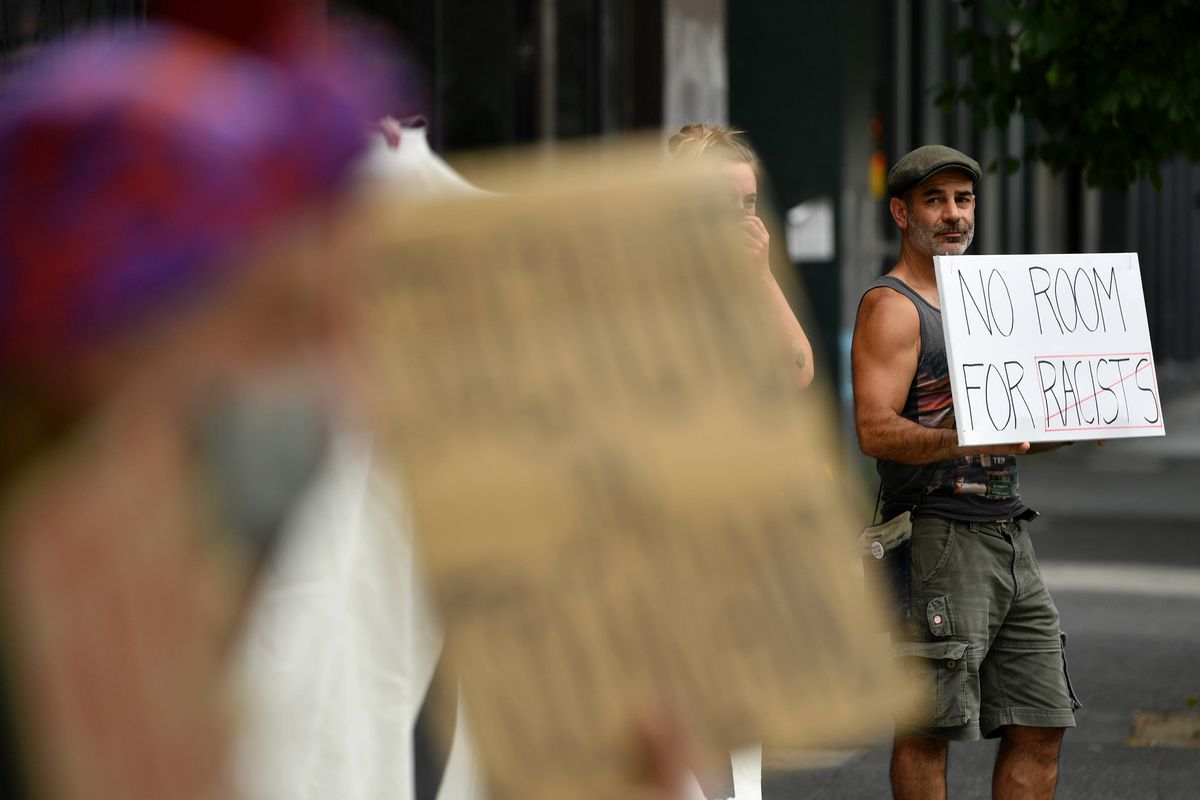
{"points": [[974, 616], [167, 317], [742, 167]]}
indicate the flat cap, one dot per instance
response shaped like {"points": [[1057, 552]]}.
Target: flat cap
{"points": [[917, 166]]}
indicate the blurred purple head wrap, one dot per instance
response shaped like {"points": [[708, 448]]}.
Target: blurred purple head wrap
{"points": [[133, 163]]}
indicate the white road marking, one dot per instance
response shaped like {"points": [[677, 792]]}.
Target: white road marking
{"points": [[1140, 579]]}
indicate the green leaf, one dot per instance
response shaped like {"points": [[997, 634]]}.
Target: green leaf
{"points": [[1107, 88], [1053, 76]]}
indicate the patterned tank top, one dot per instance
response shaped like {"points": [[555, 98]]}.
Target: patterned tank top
{"points": [[972, 488]]}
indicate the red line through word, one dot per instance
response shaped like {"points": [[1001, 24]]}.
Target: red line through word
{"points": [[1063, 412]]}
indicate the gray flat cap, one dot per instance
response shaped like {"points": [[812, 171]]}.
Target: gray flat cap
{"points": [[915, 167]]}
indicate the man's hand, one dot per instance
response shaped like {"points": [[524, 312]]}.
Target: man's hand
{"points": [[758, 241]]}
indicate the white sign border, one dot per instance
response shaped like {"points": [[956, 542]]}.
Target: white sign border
{"points": [[944, 266]]}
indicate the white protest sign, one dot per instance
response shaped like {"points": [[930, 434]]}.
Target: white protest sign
{"points": [[1048, 348]]}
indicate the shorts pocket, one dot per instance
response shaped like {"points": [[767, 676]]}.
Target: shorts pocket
{"points": [[940, 616], [932, 548], [1075, 704], [939, 670]]}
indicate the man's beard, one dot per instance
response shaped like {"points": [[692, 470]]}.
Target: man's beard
{"points": [[926, 239]]}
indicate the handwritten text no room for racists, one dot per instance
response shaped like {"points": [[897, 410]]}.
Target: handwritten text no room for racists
{"points": [[1045, 348]]}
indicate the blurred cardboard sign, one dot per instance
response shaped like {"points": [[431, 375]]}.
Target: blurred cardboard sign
{"points": [[1048, 348], [619, 495]]}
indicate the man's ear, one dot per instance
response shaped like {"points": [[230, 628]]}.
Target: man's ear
{"points": [[899, 210]]}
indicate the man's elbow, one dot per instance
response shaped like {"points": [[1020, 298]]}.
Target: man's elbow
{"points": [[870, 450], [868, 442]]}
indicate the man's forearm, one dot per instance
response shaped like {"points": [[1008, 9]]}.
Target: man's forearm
{"points": [[908, 442]]}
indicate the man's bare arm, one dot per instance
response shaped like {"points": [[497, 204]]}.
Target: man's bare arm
{"points": [[883, 362]]}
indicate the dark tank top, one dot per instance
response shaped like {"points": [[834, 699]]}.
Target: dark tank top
{"points": [[972, 488]]}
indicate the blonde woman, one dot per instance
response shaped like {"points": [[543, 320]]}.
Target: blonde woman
{"points": [[740, 164]]}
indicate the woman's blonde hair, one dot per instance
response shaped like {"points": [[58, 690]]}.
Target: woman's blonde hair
{"points": [[699, 139]]}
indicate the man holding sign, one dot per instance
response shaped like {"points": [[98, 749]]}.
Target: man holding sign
{"points": [[978, 626]]}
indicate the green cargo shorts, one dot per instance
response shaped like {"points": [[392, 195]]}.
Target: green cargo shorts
{"points": [[982, 638]]}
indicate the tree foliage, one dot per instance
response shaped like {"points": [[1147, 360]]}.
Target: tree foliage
{"points": [[1113, 85]]}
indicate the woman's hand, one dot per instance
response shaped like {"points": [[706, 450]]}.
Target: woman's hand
{"points": [[757, 241]]}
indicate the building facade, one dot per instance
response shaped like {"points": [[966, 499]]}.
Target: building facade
{"points": [[830, 94]]}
